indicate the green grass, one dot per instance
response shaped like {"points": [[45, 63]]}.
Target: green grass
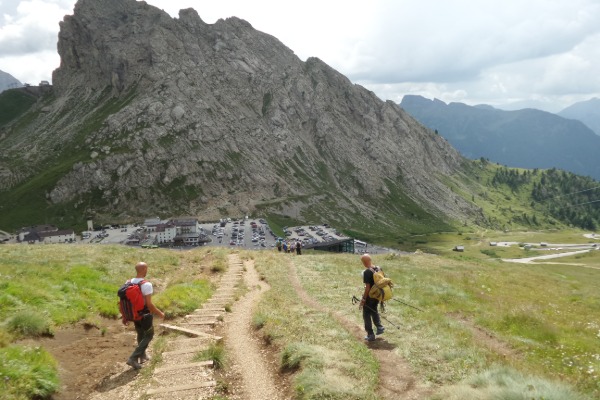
{"points": [[328, 362], [541, 320], [183, 298], [214, 353], [506, 383], [28, 323], [13, 103], [43, 287], [27, 373]]}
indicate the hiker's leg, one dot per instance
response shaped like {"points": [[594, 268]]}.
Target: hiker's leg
{"points": [[369, 312], [367, 320], [147, 331], [375, 316], [139, 330]]}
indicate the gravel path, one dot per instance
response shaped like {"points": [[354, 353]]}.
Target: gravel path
{"points": [[244, 348]]}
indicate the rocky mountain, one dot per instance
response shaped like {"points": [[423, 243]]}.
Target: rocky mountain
{"points": [[525, 138], [7, 81], [587, 112], [157, 115]]}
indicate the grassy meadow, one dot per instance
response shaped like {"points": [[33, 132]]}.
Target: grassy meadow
{"points": [[44, 287], [489, 330]]}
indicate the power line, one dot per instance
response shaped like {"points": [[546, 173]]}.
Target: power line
{"points": [[568, 194], [589, 202]]}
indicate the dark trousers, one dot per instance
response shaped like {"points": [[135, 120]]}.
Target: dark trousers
{"points": [[370, 314], [145, 333]]}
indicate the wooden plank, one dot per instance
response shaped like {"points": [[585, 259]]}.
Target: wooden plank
{"points": [[191, 332], [198, 316], [184, 351], [197, 385], [184, 366], [200, 322], [212, 314]]}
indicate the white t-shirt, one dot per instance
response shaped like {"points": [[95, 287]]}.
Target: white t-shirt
{"points": [[146, 286]]}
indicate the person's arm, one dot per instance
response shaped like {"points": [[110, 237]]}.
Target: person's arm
{"points": [[152, 308], [365, 294], [367, 289]]}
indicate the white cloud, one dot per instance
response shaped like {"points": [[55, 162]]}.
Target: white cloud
{"points": [[493, 51]]}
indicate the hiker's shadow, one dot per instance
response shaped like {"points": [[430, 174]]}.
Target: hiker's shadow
{"points": [[111, 382], [381, 344]]}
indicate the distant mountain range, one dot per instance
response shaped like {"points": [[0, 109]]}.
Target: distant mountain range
{"points": [[525, 138], [587, 112], [7, 81]]}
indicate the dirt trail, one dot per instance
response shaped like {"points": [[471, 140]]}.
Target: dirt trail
{"points": [[396, 380], [93, 367], [244, 347]]}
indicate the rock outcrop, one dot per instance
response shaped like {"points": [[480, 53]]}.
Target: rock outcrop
{"points": [[154, 114]]}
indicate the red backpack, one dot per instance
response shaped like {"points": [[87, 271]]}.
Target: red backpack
{"points": [[132, 303]]}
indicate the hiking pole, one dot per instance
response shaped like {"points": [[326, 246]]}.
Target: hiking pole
{"points": [[357, 300], [406, 304]]}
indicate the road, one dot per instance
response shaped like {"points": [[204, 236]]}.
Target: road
{"points": [[530, 260]]}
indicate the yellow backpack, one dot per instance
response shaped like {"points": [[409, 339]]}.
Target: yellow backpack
{"points": [[382, 289]]}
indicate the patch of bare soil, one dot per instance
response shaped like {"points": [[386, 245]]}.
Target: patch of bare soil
{"points": [[85, 357], [396, 380]]}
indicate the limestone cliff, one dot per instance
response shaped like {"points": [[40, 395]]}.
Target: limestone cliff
{"points": [[153, 114]]}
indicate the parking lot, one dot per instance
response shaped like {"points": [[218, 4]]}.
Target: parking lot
{"points": [[245, 233]]}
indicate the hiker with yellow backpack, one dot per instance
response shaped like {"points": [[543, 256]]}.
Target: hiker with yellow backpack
{"points": [[377, 288]]}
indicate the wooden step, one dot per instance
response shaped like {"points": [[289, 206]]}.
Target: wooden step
{"points": [[191, 332], [207, 314], [212, 307], [200, 322], [197, 385], [184, 351], [222, 301], [185, 366]]}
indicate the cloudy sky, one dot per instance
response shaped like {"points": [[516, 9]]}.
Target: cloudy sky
{"points": [[507, 53]]}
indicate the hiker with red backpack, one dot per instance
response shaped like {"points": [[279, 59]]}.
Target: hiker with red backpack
{"points": [[136, 305], [368, 304]]}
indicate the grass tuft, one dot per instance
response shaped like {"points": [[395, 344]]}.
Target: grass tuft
{"points": [[507, 384], [214, 353], [27, 373], [295, 353], [29, 324]]}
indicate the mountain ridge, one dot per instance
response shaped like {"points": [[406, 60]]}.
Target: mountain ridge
{"points": [[527, 138], [7, 81], [587, 112], [152, 114]]}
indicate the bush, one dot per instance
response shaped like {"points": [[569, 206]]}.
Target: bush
{"points": [[490, 253], [29, 323], [218, 266], [27, 373]]}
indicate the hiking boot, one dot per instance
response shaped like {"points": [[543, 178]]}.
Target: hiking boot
{"points": [[370, 338], [144, 358], [133, 363], [380, 331]]}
